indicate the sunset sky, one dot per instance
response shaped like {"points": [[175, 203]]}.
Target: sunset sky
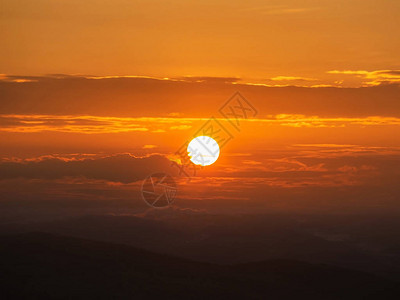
{"points": [[278, 42], [97, 95]]}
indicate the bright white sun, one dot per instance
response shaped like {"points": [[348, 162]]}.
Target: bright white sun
{"points": [[203, 150]]}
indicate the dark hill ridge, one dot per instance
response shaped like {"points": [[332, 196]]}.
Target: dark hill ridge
{"points": [[365, 243], [46, 266]]}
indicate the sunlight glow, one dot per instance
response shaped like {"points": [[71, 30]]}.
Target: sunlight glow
{"points": [[203, 150]]}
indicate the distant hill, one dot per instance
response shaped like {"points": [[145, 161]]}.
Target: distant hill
{"points": [[365, 243], [47, 266]]}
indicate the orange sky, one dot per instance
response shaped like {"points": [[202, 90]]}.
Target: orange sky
{"points": [[97, 95], [281, 42]]}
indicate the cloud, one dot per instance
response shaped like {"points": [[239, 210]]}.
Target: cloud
{"points": [[313, 175], [291, 78], [149, 146], [54, 77], [100, 125], [137, 97], [180, 127], [123, 168], [373, 78], [207, 79], [17, 79], [315, 121], [71, 124]]}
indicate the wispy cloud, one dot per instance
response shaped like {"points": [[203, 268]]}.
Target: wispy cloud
{"points": [[291, 78], [149, 146], [372, 78], [180, 127], [17, 79], [90, 124], [99, 124]]}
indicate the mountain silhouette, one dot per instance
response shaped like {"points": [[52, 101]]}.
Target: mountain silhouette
{"points": [[48, 266]]}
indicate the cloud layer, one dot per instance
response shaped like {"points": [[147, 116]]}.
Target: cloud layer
{"points": [[123, 168], [194, 97]]}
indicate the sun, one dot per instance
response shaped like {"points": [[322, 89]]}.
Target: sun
{"points": [[203, 150]]}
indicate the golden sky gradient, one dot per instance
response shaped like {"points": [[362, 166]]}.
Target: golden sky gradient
{"points": [[97, 95], [285, 42]]}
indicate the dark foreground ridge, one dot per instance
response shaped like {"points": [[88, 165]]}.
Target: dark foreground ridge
{"points": [[46, 266]]}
